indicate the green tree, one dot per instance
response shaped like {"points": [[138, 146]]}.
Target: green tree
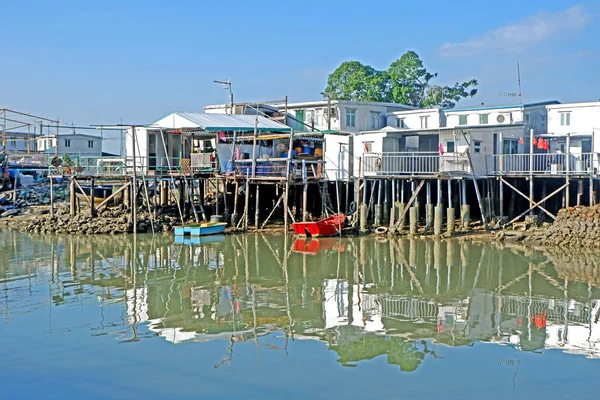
{"points": [[406, 81], [355, 81]]}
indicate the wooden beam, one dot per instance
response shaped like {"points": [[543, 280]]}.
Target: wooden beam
{"points": [[533, 205], [105, 201], [538, 205], [79, 186], [273, 210], [410, 201]]}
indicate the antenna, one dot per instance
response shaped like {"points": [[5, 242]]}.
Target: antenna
{"points": [[519, 80], [512, 94]]}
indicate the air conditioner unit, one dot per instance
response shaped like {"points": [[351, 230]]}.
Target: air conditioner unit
{"points": [[504, 119]]}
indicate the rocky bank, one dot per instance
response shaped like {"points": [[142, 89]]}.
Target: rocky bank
{"points": [[574, 227]]}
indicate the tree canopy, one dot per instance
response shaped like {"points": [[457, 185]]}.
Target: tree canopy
{"points": [[406, 81]]}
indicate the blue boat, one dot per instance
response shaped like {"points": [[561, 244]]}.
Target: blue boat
{"points": [[203, 229]]}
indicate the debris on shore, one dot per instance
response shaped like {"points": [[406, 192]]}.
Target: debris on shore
{"points": [[574, 227]]}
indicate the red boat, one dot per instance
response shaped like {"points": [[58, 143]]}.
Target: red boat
{"points": [[326, 227]]}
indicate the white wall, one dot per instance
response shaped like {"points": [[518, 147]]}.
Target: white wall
{"points": [[337, 157], [412, 119], [511, 115], [358, 147], [78, 145], [585, 118]]}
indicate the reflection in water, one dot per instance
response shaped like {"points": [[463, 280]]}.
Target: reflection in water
{"points": [[405, 300]]}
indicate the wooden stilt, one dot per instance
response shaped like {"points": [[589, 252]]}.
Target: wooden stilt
{"points": [[246, 203], [51, 194], [235, 203], [304, 201], [501, 198], [72, 196], [257, 207]]}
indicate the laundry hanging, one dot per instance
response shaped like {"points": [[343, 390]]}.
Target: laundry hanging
{"points": [[441, 149], [535, 141], [521, 141]]}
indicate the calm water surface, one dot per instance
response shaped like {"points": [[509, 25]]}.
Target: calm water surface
{"points": [[261, 316]]}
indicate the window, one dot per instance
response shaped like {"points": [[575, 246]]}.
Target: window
{"points": [[477, 146], [400, 123], [319, 118], [368, 146], [483, 118], [90, 144], [510, 146], [527, 118], [462, 119], [450, 147], [424, 124], [350, 117], [565, 118], [310, 117], [48, 143], [375, 120], [13, 143], [67, 143]]}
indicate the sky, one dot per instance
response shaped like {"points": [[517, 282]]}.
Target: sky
{"points": [[135, 61]]}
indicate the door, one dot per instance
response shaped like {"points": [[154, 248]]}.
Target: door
{"points": [[300, 121]]}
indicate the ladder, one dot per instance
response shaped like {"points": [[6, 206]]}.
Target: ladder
{"points": [[326, 203]]}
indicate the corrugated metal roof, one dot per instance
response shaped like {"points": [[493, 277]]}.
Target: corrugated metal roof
{"points": [[232, 122]]}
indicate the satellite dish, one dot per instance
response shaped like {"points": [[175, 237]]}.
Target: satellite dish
{"points": [[500, 119]]}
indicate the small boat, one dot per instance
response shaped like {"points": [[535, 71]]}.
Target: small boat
{"points": [[203, 229], [326, 227], [100, 193]]}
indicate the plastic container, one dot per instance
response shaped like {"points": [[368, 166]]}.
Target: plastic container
{"points": [[307, 150], [319, 152], [216, 218]]}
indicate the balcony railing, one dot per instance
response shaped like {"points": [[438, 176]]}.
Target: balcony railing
{"points": [[414, 163], [551, 164]]}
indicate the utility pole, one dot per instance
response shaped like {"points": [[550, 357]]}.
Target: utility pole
{"points": [[4, 130], [328, 112], [227, 83]]}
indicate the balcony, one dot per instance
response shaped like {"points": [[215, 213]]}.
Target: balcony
{"points": [[543, 164], [414, 163]]}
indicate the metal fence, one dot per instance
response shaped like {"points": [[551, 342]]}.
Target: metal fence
{"points": [[413, 163], [551, 164]]}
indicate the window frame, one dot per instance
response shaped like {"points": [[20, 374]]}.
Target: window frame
{"points": [[450, 143], [351, 117], [90, 144], [375, 120], [464, 117], [424, 121], [482, 117], [67, 142], [400, 122], [565, 118]]}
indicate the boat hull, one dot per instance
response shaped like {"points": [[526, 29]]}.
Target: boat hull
{"points": [[209, 228], [100, 193], [326, 227]]}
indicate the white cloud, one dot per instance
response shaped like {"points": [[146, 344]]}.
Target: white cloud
{"points": [[523, 34]]}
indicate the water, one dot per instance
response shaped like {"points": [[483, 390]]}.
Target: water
{"points": [[263, 317]]}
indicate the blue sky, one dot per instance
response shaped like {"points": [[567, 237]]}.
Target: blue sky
{"points": [[97, 62]]}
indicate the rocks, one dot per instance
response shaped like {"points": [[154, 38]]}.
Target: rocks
{"points": [[574, 227]]}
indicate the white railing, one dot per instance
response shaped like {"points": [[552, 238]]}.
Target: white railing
{"points": [[414, 163], [551, 164]]}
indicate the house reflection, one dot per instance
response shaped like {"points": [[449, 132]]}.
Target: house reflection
{"points": [[399, 299]]}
